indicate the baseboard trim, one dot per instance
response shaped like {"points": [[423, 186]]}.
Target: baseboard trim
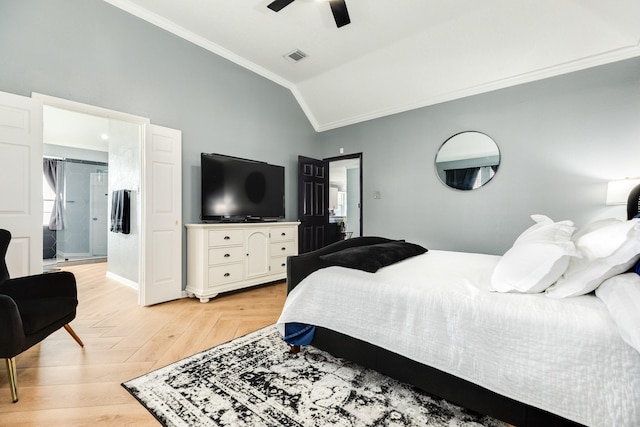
{"points": [[120, 279]]}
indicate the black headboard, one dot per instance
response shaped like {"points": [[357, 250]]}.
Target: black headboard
{"points": [[633, 202]]}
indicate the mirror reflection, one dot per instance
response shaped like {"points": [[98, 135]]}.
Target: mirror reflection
{"points": [[467, 160]]}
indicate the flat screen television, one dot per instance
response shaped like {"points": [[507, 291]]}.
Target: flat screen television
{"points": [[235, 189]]}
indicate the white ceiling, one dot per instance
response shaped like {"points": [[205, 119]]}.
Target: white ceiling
{"points": [[74, 129], [398, 55]]}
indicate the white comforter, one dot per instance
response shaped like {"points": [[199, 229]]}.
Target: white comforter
{"points": [[564, 356]]}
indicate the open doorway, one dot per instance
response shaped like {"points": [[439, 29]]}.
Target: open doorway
{"points": [[149, 257], [96, 151], [75, 187], [345, 194], [329, 203]]}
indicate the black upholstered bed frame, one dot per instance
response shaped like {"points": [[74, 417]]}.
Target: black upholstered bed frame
{"points": [[431, 380], [633, 202]]}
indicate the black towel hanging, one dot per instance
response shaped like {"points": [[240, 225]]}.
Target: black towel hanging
{"points": [[120, 212]]}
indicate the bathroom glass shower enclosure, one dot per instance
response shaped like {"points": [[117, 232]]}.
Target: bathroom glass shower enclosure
{"points": [[80, 198]]}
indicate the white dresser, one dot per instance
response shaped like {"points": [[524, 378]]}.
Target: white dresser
{"points": [[226, 257]]}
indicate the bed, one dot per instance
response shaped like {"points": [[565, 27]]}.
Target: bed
{"points": [[434, 320]]}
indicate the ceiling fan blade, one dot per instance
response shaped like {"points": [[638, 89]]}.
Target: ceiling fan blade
{"points": [[278, 5], [340, 13]]}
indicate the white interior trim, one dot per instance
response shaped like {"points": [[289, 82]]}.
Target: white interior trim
{"points": [[181, 32], [632, 49], [556, 70], [122, 280], [79, 107]]}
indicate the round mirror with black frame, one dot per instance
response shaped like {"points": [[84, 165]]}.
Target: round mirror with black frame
{"points": [[467, 161]]}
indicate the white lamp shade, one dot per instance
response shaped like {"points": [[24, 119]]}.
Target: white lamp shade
{"points": [[618, 191]]}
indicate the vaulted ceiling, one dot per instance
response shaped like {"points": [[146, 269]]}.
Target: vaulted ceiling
{"points": [[398, 55]]}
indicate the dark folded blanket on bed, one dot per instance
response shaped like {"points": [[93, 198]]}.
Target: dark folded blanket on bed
{"points": [[370, 258]]}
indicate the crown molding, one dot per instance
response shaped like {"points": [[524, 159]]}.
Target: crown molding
{"points": [[620, 54], [185, 34], [625, 52]]}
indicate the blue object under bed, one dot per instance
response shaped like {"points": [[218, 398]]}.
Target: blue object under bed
{"points": [[298, 333]]}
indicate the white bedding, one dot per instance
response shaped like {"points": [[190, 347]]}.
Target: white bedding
{"points": [[564, 356]]}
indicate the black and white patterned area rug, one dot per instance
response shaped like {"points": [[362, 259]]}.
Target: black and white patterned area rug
{"points": [[253, 381]]}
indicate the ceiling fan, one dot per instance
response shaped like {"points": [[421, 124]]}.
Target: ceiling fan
{"points": [[338, 8]]}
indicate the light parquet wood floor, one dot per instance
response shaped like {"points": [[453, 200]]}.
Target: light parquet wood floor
{"points": [[62, 384]]}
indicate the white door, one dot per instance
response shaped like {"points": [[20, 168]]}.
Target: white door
{"points": [[21, 182], [257, 253], [161, 223]]}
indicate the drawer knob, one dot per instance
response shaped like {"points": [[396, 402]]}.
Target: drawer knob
{"points": [[227, 238], [227, 255], [283, 249], [283, 265], [283, 234], [227, 274]]}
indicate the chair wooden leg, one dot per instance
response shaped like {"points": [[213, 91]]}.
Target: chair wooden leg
{"points": [[74, 335], [11, 370]]}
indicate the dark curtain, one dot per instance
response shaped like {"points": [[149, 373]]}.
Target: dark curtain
{"points": [[462, 179], [50, 170]]}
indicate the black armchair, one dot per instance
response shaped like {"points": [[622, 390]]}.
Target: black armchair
{"points": [[32, 308]]}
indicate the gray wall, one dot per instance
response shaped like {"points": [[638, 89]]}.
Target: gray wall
{"points": [[124, 174], [561, 140], [91, 52]]}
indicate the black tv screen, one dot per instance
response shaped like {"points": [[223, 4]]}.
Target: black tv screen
{"points": [[240, 189]]}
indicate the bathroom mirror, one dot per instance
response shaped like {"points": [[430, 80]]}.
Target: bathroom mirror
{"points": [[467, 160]]}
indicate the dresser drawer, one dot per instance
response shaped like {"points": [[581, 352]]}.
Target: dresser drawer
{"points": [[278, 265], [222, 274], [282, 248], [225, 255], [225, 237], [282, 234]]}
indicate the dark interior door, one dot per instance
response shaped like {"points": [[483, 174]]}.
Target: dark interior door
{"points": [[313, 200]]}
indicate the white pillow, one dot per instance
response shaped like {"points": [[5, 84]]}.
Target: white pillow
{"points": [[605, 239], [621, 295], [537, 259], [592, 226], [585, 274], [545, 230], [529, 268]]}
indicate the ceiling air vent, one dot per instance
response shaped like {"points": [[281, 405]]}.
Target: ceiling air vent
{"points": [[295, 56]]}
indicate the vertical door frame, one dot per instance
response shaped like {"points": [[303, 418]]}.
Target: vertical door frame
{"points": [[347, 157]]}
